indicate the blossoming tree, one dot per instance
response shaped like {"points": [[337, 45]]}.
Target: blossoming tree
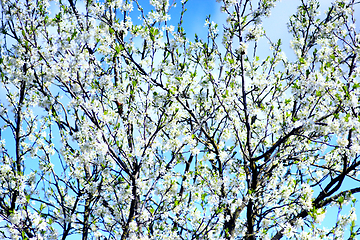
{"points": [[118, 128]]}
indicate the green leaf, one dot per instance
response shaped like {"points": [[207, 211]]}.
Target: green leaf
{"points": [[42, 206], [347, 117], [153, 33], [219, 210], [203, 196]]}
